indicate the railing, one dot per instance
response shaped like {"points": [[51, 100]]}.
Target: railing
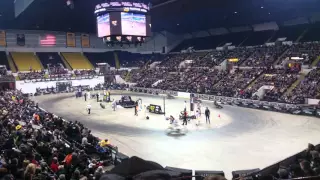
{"points": [[59, 79], [297, 109]]}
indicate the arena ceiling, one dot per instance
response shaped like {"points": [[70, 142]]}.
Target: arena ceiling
{"points": [[180, 16]]}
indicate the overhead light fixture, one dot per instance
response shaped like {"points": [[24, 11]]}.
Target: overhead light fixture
{"points": [[235, 12], [70, 4], [177, 24], [261, 7]]}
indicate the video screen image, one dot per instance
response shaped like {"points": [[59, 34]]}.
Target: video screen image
{"points": [[133, 24], [103, 23]]}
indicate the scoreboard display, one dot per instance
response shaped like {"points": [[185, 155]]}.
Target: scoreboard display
{"points": [[129, 20], [121, 6]]}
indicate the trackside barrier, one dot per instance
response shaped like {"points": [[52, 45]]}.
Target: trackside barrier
{"points": [[208, 97]]}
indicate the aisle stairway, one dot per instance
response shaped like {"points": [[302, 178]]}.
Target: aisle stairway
{"points": [[12, 66], [128, 76], [295, 84], [66, 64], [77, 61], [116, 58], [280, 58], [254, 81], [38, 59], [25, 60], [315, 62]]}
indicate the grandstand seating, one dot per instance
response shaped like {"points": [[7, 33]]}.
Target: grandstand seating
{"points": [[52, 58], [308, 88], [4, 60], [258, 38], [308, 51], [210, 42], [235, 38], [77, 61], [264, 56], [128, 59], [106, 57], [312, 34], [241, 53], [290, 33], [25, 60]]}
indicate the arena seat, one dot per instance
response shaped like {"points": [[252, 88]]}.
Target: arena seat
{"points": [[312, 34], [77, 61], [4, 60], [291, 33], [52, 58], [235, 38], [26, 60], [128, 59], [258, 38], [106, 57], [201, 43]]}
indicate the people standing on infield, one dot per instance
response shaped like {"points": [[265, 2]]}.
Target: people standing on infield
{"points": [[89, 108], [114, 105], [207, 113], [185, 122], [136, 110], [85, 96]]}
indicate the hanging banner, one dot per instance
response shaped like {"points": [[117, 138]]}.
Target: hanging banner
{"points": [[85, 40], [21, 39], [71, 40], [3, 41]]}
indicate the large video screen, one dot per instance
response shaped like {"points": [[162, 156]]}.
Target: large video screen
{"points": [[133, 24], [103, 25]]}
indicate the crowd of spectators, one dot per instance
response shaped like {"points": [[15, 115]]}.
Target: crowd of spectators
{"points": [[39, 145], [277, 79], [308, 51], [31, 75], [307, 164], [85, 73], [308, 88], [264, 56], [235, 82]]}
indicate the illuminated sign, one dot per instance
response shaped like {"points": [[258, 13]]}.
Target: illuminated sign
{"points": [[47, 40], [233, 60]]}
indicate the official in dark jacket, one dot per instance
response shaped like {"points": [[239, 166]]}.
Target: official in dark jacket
{"points": [[207, 113]]}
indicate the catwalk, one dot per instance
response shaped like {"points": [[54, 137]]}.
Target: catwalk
{"points": [[239, 139]]}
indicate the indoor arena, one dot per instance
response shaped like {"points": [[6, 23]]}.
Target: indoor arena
{"points": [[237, 138]]}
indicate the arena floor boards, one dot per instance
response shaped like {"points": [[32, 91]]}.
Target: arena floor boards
{"points": [[239, 139]]}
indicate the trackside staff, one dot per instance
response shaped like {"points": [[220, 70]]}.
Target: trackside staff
{"points": [[89, 108], [207, 113]]}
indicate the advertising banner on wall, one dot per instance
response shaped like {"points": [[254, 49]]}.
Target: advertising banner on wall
{"points": [[71, 40], [85, 40], [21, 40], [3, 41]]}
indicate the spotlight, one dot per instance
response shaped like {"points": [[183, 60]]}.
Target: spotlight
{"points": [[70, 4]]}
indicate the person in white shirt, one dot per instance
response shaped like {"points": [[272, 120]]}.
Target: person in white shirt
{"points": [[89, 108], [198, 117], [185, 105], [114, 105], [84, 141]]}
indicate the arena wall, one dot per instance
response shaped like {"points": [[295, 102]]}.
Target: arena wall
{"points": [[32, 43], [30, 86]]}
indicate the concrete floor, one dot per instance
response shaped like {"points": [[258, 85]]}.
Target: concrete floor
{"points": [[240, 139]]}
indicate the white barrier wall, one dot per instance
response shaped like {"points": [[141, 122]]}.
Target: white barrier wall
{"points": [[30, 87], [184, 95], [313, 101]]}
